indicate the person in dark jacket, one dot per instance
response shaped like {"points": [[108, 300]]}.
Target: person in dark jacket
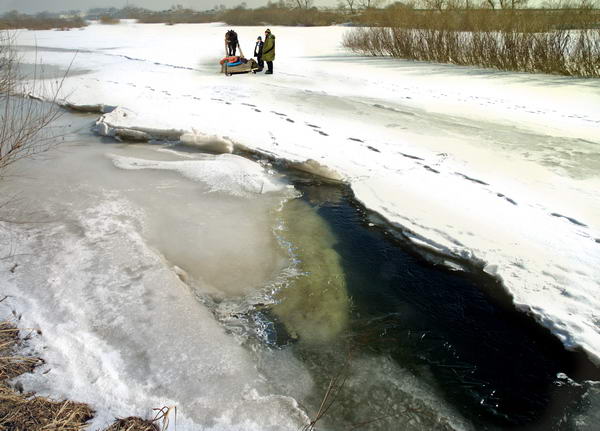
{"points": [[258, 52], [268, 53], [231, 42]]}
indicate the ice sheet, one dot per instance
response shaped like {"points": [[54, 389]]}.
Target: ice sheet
{"points": [[500, 168]]}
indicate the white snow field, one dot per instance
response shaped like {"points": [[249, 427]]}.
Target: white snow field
{"points": [[501, 169]]}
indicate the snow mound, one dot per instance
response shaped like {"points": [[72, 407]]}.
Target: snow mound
{"points": [[204, 142], [226, 173]]}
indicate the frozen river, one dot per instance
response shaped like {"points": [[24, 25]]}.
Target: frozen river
{"points": [[236, 290], [162, 275]]}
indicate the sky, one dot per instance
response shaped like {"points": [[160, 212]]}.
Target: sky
{"points": [[32, 6]]}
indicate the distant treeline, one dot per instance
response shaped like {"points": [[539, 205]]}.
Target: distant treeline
{"points": [[455, 15], [41, 21], [281, 13]]}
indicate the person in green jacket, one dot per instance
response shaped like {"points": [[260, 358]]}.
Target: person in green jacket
{"points": [[268, 53]]}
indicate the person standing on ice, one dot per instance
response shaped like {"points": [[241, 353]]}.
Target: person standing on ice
{"points": [[231, 42], [258, 52], [268, 53]]}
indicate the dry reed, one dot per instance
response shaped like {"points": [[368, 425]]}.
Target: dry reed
{"points": [[25, 412], [562, 52]]}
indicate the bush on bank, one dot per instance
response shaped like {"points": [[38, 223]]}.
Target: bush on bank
{"points": [[562, 52]]}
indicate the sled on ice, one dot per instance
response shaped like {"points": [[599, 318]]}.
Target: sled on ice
{"points": [[233, 65]]}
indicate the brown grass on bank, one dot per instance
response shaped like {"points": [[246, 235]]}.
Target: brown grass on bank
{"points": [[561, 52], [26, 412], [105, 19], [133, 424], [555, 41]]}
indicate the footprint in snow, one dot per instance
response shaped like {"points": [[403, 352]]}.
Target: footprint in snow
{"points": [[571, 219], [475, 180], [410, 156], [500, 195]]}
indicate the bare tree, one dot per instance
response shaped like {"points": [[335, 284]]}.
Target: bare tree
{"points": [[368, 4], [24, 120], [512, 4], [351, 4], [435, 4], [302, 4]]}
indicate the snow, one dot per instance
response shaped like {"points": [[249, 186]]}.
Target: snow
{"points": [[497, 168], [226, 173]]}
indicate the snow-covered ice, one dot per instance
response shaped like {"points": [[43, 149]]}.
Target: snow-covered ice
{"points": [[492, 167]]}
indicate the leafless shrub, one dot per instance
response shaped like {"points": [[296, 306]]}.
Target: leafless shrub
{"points": [[563, 52], [24, 120]]}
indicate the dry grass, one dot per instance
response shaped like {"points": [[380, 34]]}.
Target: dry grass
{"points": [[561, 52], [105, 19], [133, 424], [12, 365], [25, 412], [555, 41]]}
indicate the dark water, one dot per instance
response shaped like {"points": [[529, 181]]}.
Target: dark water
{"points": [[493, 364]]}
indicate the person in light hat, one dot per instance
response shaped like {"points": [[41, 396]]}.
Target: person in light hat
{"points": [[268, 53]]}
